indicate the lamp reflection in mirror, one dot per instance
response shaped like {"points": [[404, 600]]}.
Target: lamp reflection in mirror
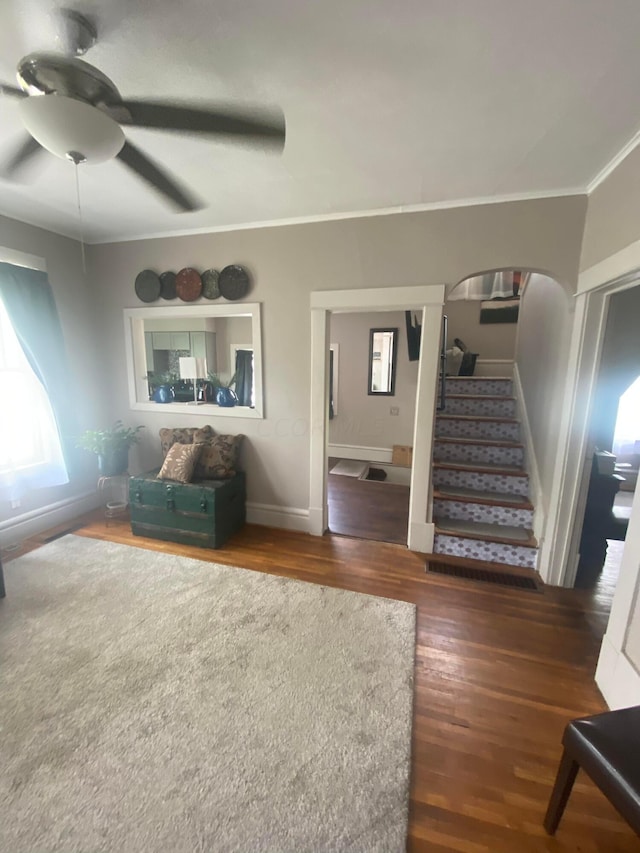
{"points": [[193, 369]]}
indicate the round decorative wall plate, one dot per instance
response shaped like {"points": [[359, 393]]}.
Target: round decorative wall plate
{"points": [[210, 284], [168, 285], [147, 286], [188, 284], [234, 282]]}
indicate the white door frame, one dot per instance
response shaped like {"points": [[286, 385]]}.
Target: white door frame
{"points": [[559, 549], [429, 299]]}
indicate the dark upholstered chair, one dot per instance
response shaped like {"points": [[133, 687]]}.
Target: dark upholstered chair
{"points": [[607, 748]]}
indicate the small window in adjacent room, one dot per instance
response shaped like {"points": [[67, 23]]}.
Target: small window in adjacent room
{"points": [[30, 450]]}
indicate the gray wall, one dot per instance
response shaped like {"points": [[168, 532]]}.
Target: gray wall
{"points": [[365, 420], [488, 340], [287, 263], [613, 214], [231, 330], [545, 323], [74, 294]]}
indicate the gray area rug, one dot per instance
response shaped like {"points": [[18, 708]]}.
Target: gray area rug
{"points": [[151, 702]]}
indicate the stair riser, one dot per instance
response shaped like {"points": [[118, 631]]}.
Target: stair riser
{"points": [[448, 428], [482, 482], [484, 385], [489, 552], [486, 513], [480, 453], [473, 406]]}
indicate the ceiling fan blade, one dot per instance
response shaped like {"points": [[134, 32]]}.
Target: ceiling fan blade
{"points": [[23, 154], [146, 169], [263, 127], [12, 91]]}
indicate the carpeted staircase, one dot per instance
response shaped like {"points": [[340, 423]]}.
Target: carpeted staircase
{"points": [[481, 504]]}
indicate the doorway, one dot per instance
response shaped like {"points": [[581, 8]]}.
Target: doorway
{"points": [[372, 402], [428, 299], [613, 447]]}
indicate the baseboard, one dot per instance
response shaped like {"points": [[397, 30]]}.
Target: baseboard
{"points": [[493, 367], [21, 527], [284, 517], [421, 536], [362, 454], [535, 490], [617, 678]]}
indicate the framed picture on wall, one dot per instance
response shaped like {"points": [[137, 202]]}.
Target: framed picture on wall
{"points": [[499, 310]]}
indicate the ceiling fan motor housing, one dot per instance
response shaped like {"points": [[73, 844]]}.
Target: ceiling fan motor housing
{"points": [[71, 129]]}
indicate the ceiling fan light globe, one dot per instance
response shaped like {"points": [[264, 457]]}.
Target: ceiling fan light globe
{"points": [[63, 125]]}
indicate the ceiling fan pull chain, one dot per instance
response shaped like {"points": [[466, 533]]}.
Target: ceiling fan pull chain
{"points": [[84, 261]]}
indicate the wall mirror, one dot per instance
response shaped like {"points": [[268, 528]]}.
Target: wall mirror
{"points": [[382, 361], [222, 340]]}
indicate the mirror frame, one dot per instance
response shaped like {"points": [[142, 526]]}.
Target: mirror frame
{"points": [[136, 357], [394, 363]]}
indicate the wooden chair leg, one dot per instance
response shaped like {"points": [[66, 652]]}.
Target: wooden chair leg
{"points": [[565, 778]]}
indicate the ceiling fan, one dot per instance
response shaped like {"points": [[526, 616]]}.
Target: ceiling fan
{"points": [[73, 110]]}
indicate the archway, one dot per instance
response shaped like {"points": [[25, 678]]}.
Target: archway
{"points": [[516, 322]]}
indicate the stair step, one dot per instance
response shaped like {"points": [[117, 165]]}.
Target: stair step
{"points": [[484, 478], [483, 468], [500, 533], [477, 426], [455, 545], [475, 418], [480, 397], [479, 384], [460, 493], [478, 451], [479, 442], [506, 514], [480, 405]]}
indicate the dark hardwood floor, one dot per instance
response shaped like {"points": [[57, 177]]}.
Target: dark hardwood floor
{"points": [[367, 509], [498, 674]]}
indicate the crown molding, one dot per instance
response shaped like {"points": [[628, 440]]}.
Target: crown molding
{"points": [[613, 164], [355, 214]]}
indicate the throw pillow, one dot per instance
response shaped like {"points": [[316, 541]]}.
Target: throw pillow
{"points": [[184, 435], [219, 458], [180, 462]]}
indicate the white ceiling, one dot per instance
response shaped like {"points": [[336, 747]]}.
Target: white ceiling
{"points": [[389, 103]]}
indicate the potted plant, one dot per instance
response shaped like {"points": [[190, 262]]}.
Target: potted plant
{"points": [[224, 393], [111, 445], [161, 386]]}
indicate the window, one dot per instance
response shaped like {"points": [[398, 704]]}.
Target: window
{"points": [[626, 440], [30, 451]]}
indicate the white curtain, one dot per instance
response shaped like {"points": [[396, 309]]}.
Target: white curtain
{"points": [[497, 285], [30, 451]]}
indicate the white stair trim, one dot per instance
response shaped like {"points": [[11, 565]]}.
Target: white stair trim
{"points": [[531, 463]]}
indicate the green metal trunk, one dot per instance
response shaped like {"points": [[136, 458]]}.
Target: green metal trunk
{"points": [[205, 513]]}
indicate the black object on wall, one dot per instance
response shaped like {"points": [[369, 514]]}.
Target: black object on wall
{"points": [[414, 332]]}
